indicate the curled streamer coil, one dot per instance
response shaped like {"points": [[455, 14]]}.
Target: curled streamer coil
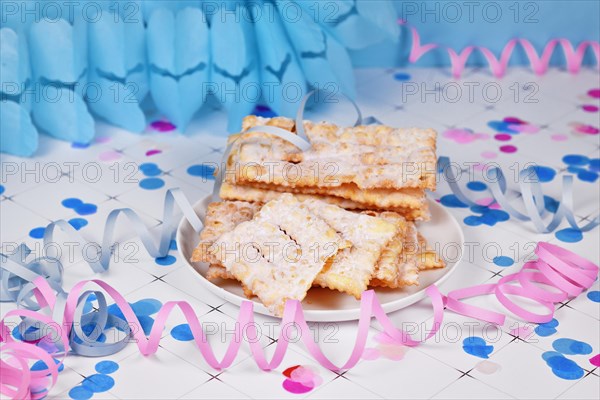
{"points": [[539, 64]]}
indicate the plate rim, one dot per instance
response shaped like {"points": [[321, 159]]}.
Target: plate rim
{"points": [[317, 315]]}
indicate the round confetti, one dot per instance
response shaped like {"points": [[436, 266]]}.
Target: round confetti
{"points": [[503, 137], [86, 209], [37, 233], [98, 383], [544, 174], [78, 223], [489, 154], [569, 235], [71, 202], [477, 186], [146, 307], [594, 296], [595, 93], [202, 170], [162, 126], [77, 145], [562, 366], [264, 111], [106, 367], [166, 260], [587, 176], [80, 393], [503, 261], [571, 346], [1, 189], [153, 152], [152, 183], [401, 76], [109, 155], [452, 201], [150, 169], [182, 332], [508, 149], [575, 159], [589, 108]]}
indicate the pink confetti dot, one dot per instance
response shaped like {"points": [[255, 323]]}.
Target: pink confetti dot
{"points": [[508, 149], [595, 360], [525, 128], [103, 139], [503, 137], [109, 155], [587, 129], [489, 154], [595, 93], [589, 108], [559, 138]]}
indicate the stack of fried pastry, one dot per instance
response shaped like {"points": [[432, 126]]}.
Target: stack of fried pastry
{"points": [[281, 249], [372, 167]]}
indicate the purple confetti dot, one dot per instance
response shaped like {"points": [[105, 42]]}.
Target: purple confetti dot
{"points": [[503, 137], [508, 149]]}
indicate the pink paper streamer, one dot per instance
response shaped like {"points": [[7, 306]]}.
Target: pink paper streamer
{"points": [[567, 273], [498, 66]]}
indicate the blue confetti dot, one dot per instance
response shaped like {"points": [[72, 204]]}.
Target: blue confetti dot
{"points": [[264, 111], [587, 176], [451, 200], [202, 170], [503, 261], [593, 166], [544, 174], [569, 235], [80, 393], [78, 223], [98, 383], [477, 347], [488, 216], [71, 202], [562, 366], [1, 189], [147, 323], [40, 365], [79, 145], [477, 186], [547, 329], [472, 220], [594, 296], [107, 367], [551, 204], [501, 126], [152, 183], [150, 169], [173, 245], [37, 233], [165, 261], [571, 346], [86, 209], [401, 76], [575, 159], [182, 333], [146, 307]]}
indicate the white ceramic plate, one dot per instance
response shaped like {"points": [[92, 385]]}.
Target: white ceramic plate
{"points": [[442, 233]]}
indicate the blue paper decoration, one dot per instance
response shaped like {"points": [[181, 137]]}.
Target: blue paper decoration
{"points": [[66, 64]]}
